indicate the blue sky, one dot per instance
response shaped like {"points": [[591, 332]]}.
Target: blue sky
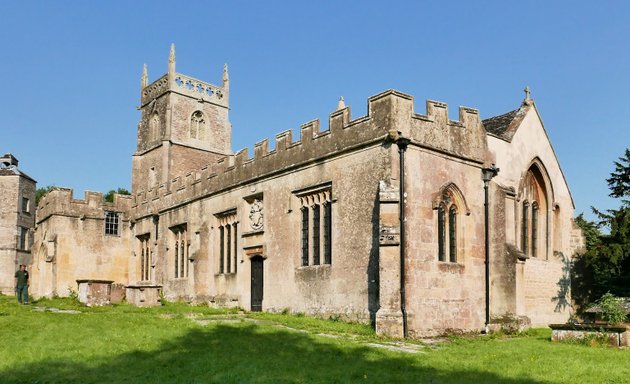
{"points": [[71, 73]]}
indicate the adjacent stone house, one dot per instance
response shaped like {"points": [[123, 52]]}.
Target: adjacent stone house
{"points": [[17, 220], [313, 225]]}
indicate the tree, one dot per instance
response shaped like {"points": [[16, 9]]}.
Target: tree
{"points": [[619, 181], [109, 196], [605, 266]]}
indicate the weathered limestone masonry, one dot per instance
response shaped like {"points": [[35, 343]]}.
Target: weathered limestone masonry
{"points": [[79, 240], [17, 220], [377, 219]]}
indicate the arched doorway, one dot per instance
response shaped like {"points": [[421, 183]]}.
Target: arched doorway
{"points": [[257, 283]]}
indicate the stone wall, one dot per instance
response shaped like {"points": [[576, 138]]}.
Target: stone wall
{"points": [[71, 244]]}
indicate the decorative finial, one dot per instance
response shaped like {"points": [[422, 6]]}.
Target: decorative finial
{"points": [[341, 104], [145, 78], [527, 94], [226, 77]]}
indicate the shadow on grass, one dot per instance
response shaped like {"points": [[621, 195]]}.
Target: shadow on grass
{"points": [[246, 353]]}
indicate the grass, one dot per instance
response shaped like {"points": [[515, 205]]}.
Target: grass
{"points": [[177, 343]]}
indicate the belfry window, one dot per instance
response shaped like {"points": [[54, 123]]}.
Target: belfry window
{"points": [[197, 126], [316, 225], [154, 127]]}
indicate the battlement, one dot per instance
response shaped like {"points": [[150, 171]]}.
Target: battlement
{"points": [[387, 111], [184, 85], [60, 201]]}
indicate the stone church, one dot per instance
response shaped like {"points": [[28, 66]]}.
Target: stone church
{"points": [[414, 222]]}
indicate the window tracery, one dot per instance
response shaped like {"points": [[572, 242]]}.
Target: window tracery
{"points": [[197, 126]]}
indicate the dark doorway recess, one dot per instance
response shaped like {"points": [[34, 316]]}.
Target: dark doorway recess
{"points": [[257, 283]]}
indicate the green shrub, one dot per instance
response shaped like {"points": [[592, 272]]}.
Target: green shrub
{"points": [[613, 311]]}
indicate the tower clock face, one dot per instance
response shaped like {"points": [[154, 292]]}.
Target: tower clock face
{"points": [[256, 215]]}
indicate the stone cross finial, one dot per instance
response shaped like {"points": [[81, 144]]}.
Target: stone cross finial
{"points": [[527, 93], [145, 78], [341, 104]]}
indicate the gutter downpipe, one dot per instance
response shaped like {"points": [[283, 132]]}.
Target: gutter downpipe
{"points": [[402, 143], [487, 174]]}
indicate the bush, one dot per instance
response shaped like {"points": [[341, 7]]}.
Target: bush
{"points": [[613, 311]]}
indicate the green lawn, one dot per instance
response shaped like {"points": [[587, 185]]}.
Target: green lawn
{"points": [[182, 344]]}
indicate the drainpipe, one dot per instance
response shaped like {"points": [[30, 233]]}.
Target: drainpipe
{"points": [[486, 175], [402, 143]]}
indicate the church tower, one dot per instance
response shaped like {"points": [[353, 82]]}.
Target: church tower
{"points": [[184, 126]]}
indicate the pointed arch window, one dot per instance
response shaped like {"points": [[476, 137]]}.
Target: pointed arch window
{"points": [[525, 228], [447, 229], [534, 209], [450, 204], [154, 127], [197, 126], [452, 234]]}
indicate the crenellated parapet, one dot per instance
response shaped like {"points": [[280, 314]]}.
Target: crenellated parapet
{"points": [[388, 111], [184, 85], [60, 201]]}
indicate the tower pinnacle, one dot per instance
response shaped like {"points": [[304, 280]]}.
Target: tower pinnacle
{"points": [[145, 78], [226, 77], [171, 61], [341, 104]]}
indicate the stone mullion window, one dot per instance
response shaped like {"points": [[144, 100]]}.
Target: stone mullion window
{"points": [[235, 231], [180, 237], [221, 249], [176, 259], [446, 205], [305, 247], [228, 243], [142, 256], [524, 228], [148, 261], [316, 232], [534, 229], [327, 232], [182, 255], [441, 234], [452, 234], [316, 228], [145, 258]]}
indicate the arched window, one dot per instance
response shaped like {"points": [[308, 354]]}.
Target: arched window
{"points": [[441, 237], [446, 204], [534, 214], [154, 127], [452, 234], [197, 126], [534, 229], [525, 228]]}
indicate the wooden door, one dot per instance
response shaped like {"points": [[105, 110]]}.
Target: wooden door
{"points": [[257, 283]]}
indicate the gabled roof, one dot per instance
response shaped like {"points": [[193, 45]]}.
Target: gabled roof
{"points": [[504, 126]]}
